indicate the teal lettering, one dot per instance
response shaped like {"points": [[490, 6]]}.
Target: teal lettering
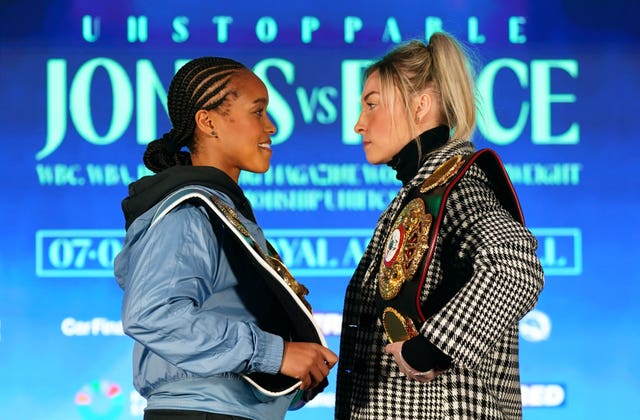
{"points": [[149, 91], [376, 200], [80, 105], [307, 104], [542, 99], [548, 257], [330, 113], [319, 97], [59, 175], [45, 174], [56, 106], [285, 250], [308, 26], [95, 174], [515, 29], [488, 123], [351, 85], [303, 252], [90, 28], [180, 30], [474, 35], [378, 175], [279, 109], [353, 253], [222, 23], [266, 29], [392, 31], [352, 24], [545, 174], [296, 175], [109, 174], [352, 199], [306, 254], [137, 29]]}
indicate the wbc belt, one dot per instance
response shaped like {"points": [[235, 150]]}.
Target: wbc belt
{"points": [[265, 285], [409, 247]]}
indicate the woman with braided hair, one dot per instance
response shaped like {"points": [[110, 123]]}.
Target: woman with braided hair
{"points": [[430, 322], [213, 339]]}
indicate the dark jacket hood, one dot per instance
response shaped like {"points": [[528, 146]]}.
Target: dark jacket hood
{"points": [[150, 190]]}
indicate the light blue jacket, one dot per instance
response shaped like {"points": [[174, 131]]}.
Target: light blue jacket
{"points": [[193, 334]]}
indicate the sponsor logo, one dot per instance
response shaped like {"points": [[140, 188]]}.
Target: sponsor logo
{"points": [[535, 326], [543, 395], [100, 399], [72, 327]]}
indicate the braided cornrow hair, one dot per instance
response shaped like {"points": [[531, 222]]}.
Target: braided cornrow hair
{"points": [[199, 84]]}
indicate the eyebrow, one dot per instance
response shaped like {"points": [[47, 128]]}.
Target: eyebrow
{"points": [[373, 92], [263, 101]]}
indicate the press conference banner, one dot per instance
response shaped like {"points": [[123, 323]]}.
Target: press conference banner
{"points": [[83, 89]]}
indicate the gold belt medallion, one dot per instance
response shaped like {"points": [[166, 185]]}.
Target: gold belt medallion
{"points": [[442, 174], [407, 242], [278, 265], [397, 327]]}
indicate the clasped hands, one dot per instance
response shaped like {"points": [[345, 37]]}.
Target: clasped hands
{"points": [[395, 349]]}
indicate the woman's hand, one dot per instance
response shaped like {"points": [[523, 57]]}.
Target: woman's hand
{"points": [[308, 362], [395, 349]]}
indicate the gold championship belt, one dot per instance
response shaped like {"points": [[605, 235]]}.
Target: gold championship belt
{"points": [[409, 240], [264, 271], [403, 252], [409, 247]]}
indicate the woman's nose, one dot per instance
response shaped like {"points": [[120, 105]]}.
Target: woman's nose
{"points": [[359, 127], [270, 127]]}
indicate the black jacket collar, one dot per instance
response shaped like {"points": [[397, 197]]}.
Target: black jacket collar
{"points": [[149, 190]]}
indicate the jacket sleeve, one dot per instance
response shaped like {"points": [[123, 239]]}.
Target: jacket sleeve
{"points": [[180, 303], [506, 275]]}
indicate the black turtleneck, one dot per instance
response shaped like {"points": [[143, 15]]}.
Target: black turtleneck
{"points": [[408, 160]]}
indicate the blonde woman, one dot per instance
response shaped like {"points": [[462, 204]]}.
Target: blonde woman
{"points": [[430, 327]]}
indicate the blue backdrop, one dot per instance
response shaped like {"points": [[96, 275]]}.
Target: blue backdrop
{"points": [[82, 91]]}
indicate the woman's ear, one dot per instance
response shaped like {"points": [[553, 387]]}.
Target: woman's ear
{"points": [[423, 106], [204, 122]]}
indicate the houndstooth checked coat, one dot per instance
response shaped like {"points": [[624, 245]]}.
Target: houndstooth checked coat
{"points": [[477, 328]]}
